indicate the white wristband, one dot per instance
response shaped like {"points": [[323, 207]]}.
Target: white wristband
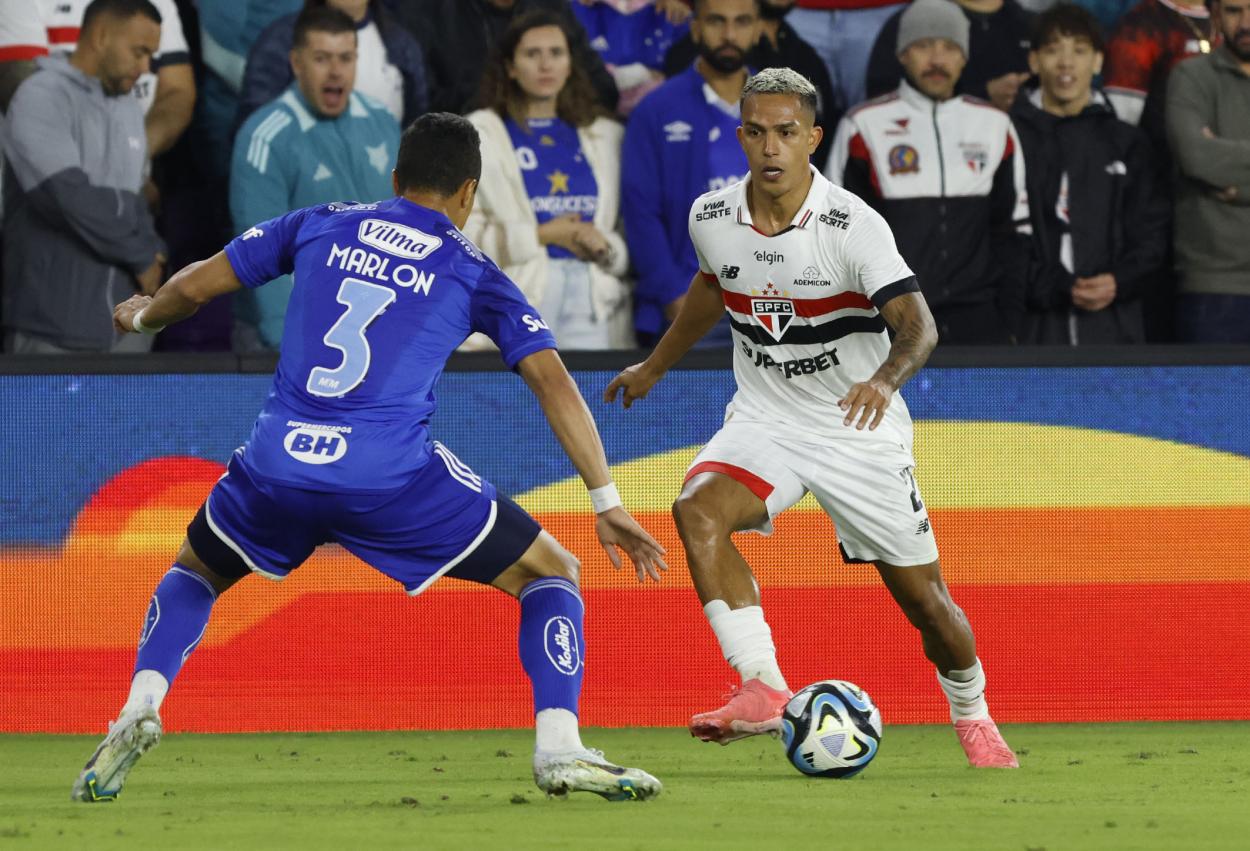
{"points": [[605, 498], [136, 322]]}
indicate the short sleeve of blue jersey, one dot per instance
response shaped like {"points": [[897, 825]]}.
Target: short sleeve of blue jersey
{"points": [[500, 311], [267, 250]]}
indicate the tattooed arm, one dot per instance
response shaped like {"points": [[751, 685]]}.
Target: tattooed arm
{"points": [[915, 335]]}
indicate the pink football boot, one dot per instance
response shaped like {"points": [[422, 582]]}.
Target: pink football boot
{"points": [[752, 709], [984, 745]]}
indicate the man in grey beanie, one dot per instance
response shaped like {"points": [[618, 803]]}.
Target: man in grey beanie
{"points": [[947, 174], [932, 46], [932, 19], [996, 49]]}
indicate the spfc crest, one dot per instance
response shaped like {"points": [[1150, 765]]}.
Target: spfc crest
{"points": [[975, 155], [775, 314]]}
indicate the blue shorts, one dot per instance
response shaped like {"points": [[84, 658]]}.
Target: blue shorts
{"points": [[446, 517]]}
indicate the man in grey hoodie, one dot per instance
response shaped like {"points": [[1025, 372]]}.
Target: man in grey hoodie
{"points": [[1208, 123], [78, 235]]}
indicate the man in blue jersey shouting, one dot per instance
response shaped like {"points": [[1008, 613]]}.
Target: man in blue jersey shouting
{"points": [[341, 451]]}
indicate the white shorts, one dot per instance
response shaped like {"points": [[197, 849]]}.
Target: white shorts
{"points": [[867, 488]]}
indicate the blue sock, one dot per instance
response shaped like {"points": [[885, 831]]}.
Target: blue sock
{"points": [[177, 618], [551, 642]]}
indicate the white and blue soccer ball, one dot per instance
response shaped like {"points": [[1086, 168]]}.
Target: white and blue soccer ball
{"points": [[831, 729]]}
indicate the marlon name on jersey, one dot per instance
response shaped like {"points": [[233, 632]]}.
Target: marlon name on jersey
{"points": [[398, 240]]}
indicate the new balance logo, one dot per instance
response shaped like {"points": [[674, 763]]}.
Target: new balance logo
{"points": [[729, 273], [923, 526], [252, 232]]}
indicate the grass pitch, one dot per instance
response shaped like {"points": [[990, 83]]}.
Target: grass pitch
{"points": [[1106, 786]]}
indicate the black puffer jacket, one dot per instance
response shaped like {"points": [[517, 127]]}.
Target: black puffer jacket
{"points": [[1119, 220]]}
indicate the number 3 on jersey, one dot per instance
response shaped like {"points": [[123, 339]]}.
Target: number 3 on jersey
{"points": [[365, 303]]}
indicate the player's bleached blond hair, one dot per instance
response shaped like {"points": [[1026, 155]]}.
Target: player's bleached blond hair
{"points": [[781, 81]]}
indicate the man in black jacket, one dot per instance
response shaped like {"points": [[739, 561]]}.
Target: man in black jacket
{"points": [[459, 35], [1100, 219]]}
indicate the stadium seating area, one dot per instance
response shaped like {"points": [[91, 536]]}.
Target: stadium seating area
{"points": [[254, 108]]}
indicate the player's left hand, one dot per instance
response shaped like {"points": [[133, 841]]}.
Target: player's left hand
{"points": [[125, 312], [866, 402], [616, 528]]}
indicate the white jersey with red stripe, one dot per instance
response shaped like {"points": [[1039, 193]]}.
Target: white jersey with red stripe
{"points": [[803, 306], [22, 33]]}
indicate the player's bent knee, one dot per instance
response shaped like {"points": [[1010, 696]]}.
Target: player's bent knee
{"points": [[697, 515], [544, 559]]}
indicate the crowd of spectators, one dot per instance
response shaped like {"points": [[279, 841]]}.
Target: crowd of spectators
{"points": [[1055, 173]]}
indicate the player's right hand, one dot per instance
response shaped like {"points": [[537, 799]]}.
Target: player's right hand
{"points": [[125, 312], [616, 528], [635, 381]]}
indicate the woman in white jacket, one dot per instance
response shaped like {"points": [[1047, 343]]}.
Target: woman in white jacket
{"points": [[548, 204]]}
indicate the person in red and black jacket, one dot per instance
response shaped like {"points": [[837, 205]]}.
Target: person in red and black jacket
{"points": [[947, 174], [1146, 44]]}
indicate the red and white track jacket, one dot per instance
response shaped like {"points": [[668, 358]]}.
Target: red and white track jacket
{"points": [[949, 179]]}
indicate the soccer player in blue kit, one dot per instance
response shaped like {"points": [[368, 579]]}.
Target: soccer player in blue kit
{"points": [[341, 451]]}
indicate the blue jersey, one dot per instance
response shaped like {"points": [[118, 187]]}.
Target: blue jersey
{"points": [[557, 176], [383, 294]]}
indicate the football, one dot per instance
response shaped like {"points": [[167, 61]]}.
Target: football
{"points": [[831, 729]]}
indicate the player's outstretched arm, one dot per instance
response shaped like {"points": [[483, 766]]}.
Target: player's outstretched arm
{"points": [[574, 427], [194, 286], [701, 309], [915, 335]]}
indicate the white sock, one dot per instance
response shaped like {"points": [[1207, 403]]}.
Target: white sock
{"points": [[746, 641], [148, 688], [965, 690], [556, 730]]}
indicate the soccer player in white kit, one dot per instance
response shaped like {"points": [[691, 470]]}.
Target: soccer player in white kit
{"points": [[810, 277]]}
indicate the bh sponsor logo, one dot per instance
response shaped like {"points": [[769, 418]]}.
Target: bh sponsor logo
{"points": [[561, 643], [400, 240], [314, 445]]}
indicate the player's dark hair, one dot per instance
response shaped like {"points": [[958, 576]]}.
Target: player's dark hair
{"points": [[438, 153], [122, 9], [321, 19], [1066, 19], [576, 102]]}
